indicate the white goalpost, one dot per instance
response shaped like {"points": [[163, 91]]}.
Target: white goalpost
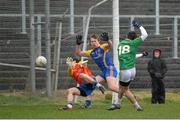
{"points": [[116, 32], [115, 7]]}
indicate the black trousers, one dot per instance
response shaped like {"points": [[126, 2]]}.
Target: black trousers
{"points": [[158, 91]]}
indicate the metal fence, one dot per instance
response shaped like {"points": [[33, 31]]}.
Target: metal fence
{"points": [[20, 23]]}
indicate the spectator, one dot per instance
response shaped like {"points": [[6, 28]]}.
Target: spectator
{"points": [[157, 70]]}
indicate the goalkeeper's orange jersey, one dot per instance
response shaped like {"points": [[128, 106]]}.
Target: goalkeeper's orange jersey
{"points": [[77, 70]]}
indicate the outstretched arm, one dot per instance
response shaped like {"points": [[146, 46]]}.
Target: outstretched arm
{"points": [[142, 54], [143, 31], [139, 55], [78, 49]]}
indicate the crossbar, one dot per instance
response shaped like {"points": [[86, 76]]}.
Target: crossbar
{"points": [[93, 15], [23, 66]]}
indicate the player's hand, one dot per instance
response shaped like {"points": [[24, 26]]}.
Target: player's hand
{"points": [[104, 36], [69, 62], [79, 39], [145, 53], [136, 24]]}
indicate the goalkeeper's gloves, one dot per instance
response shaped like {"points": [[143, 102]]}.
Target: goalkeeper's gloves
{"points": [[136, 24], [79, 39], [104, 36], [145, 53], [69, 62]]}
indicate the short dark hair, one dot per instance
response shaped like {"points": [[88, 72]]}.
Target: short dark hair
{"points": [[132, 35]]}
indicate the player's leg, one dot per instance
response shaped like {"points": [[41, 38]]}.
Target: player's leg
{"points": [[112, 84], [122, 90], [86, 78], [100, 80], [111, 79], [91, 80], [115, 88], [133, 100], [125, 79], [70, 95], [87, 91], [110, 75]]}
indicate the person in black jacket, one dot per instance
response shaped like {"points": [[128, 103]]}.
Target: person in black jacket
{"points": [[157, 69]]}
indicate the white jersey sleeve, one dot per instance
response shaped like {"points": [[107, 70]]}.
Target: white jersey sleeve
{"points": [[143, 33], [139, 55]]}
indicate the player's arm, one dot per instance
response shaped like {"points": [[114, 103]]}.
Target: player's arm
{"points": [[142, 54], [144, 34], [79, 52], [139, 55], [78, 49]]}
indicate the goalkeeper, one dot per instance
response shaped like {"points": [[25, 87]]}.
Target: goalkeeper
{"points": [[83, 76], [127, 50]]}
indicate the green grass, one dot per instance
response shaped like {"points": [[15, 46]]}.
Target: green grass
{"points": [[42, 107]]}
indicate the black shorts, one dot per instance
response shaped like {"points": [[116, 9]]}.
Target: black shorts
{"points": [[82, 92], [124, 83]]}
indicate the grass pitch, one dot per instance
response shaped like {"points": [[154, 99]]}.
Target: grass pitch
{"points": [[43, 108]]}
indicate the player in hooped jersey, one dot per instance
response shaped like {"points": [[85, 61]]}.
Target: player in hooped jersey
{"points": [[101, 56], [127, 50]]}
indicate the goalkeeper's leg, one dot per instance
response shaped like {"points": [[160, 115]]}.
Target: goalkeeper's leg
{"points": [[91, 80], [70, 95], [86, 78]]}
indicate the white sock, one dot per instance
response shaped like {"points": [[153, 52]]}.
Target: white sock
{"points": [[136, 105], [69, 105], [98, 85]]}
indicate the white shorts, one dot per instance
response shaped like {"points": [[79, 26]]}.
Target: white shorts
{"points": [[127, 75]]}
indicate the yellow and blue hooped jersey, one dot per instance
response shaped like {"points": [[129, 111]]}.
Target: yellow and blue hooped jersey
{"points": [[101, 56]]}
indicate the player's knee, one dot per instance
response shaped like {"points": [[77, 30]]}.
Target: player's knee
{"points": [[124, 89], [112, 87], [70, 91], [121, 91]]}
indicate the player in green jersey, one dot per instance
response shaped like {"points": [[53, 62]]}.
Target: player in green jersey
{"points": [[127, 50]]}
